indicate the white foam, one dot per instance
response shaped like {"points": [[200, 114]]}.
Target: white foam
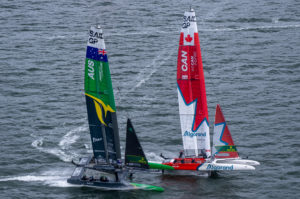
{"points": [[29, 178], [54, 177], [155, 64], [56, 181], [63, 152], [252, 28], [37, 143], [57, 37], [154, 157], [58, 153], [71, 137]]}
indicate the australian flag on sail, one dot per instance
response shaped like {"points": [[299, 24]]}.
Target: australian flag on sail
{"points": [[96, 54]]}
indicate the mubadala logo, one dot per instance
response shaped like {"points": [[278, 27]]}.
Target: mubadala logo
{"points": [[192, 134], [97, 139]]}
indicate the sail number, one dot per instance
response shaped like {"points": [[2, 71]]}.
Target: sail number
{"points": [[91, 70], [184, 66]]}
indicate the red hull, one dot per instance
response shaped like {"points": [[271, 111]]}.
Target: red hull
{"points": [[185, 163]]}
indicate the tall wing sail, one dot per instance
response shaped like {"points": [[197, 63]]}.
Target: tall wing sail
{"points": [[191, 90], [100, 100], [134, 154], [223, 146]]}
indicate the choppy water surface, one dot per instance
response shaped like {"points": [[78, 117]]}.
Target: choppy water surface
{"points": [[251, 60]]}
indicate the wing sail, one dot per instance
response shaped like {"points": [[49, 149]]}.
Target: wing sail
{"points": [[191, 90], [100, 100]]}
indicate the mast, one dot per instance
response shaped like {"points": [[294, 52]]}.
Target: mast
{"points": [[191, 90], [100, 100]]}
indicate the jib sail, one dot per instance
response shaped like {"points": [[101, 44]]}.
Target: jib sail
{"points": [[223, 145], [134, 154]]}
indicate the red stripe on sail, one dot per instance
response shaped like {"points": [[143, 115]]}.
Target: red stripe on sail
{"points": [[190, 78], [181, 39], [219, 118]]}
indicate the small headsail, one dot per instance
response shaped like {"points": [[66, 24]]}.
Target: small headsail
{"points": [[134, 154], [223, 143]]}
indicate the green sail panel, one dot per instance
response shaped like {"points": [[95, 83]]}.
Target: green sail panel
{"points": [[134, 154], [100, 101]]}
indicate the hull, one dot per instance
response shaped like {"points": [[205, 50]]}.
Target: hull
{"points": [[205, 165], [238, 161], [191, 164], [114, 185], [225, 167], [159, 166]]}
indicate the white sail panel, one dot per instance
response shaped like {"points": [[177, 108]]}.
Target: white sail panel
{"points": [[186, 121]]}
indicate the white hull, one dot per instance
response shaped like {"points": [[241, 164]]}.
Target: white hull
{"points": [[213, 166], [237, 161]]}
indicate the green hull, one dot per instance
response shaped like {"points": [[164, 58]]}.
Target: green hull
{"points": [[147, 187], [159, 166]]}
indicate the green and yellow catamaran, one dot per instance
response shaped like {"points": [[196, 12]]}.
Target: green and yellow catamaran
{"points": [[105, 169]]}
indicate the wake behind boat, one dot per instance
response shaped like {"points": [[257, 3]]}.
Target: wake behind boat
{"points": [[193, 112], [105, 169]]}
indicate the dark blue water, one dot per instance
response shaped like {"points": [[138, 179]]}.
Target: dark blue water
{"points": [[251, 57]]}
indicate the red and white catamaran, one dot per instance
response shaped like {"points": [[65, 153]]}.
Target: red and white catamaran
{"points": [[194, 115]]}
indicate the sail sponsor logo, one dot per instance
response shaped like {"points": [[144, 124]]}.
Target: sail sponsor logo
{"points": [[185, 77], [91, 70], [100, 71], [216, 167], [101, 109], [189, 18], [193, 134], [184, 66], [97, 140], [186, 21], [94, 36], [193, 61]]}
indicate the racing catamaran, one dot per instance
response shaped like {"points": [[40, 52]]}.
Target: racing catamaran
{"points": [[105, 169], [193, 109]]}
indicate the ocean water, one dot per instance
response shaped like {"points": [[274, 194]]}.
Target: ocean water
{"points": [[251, 58]]}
